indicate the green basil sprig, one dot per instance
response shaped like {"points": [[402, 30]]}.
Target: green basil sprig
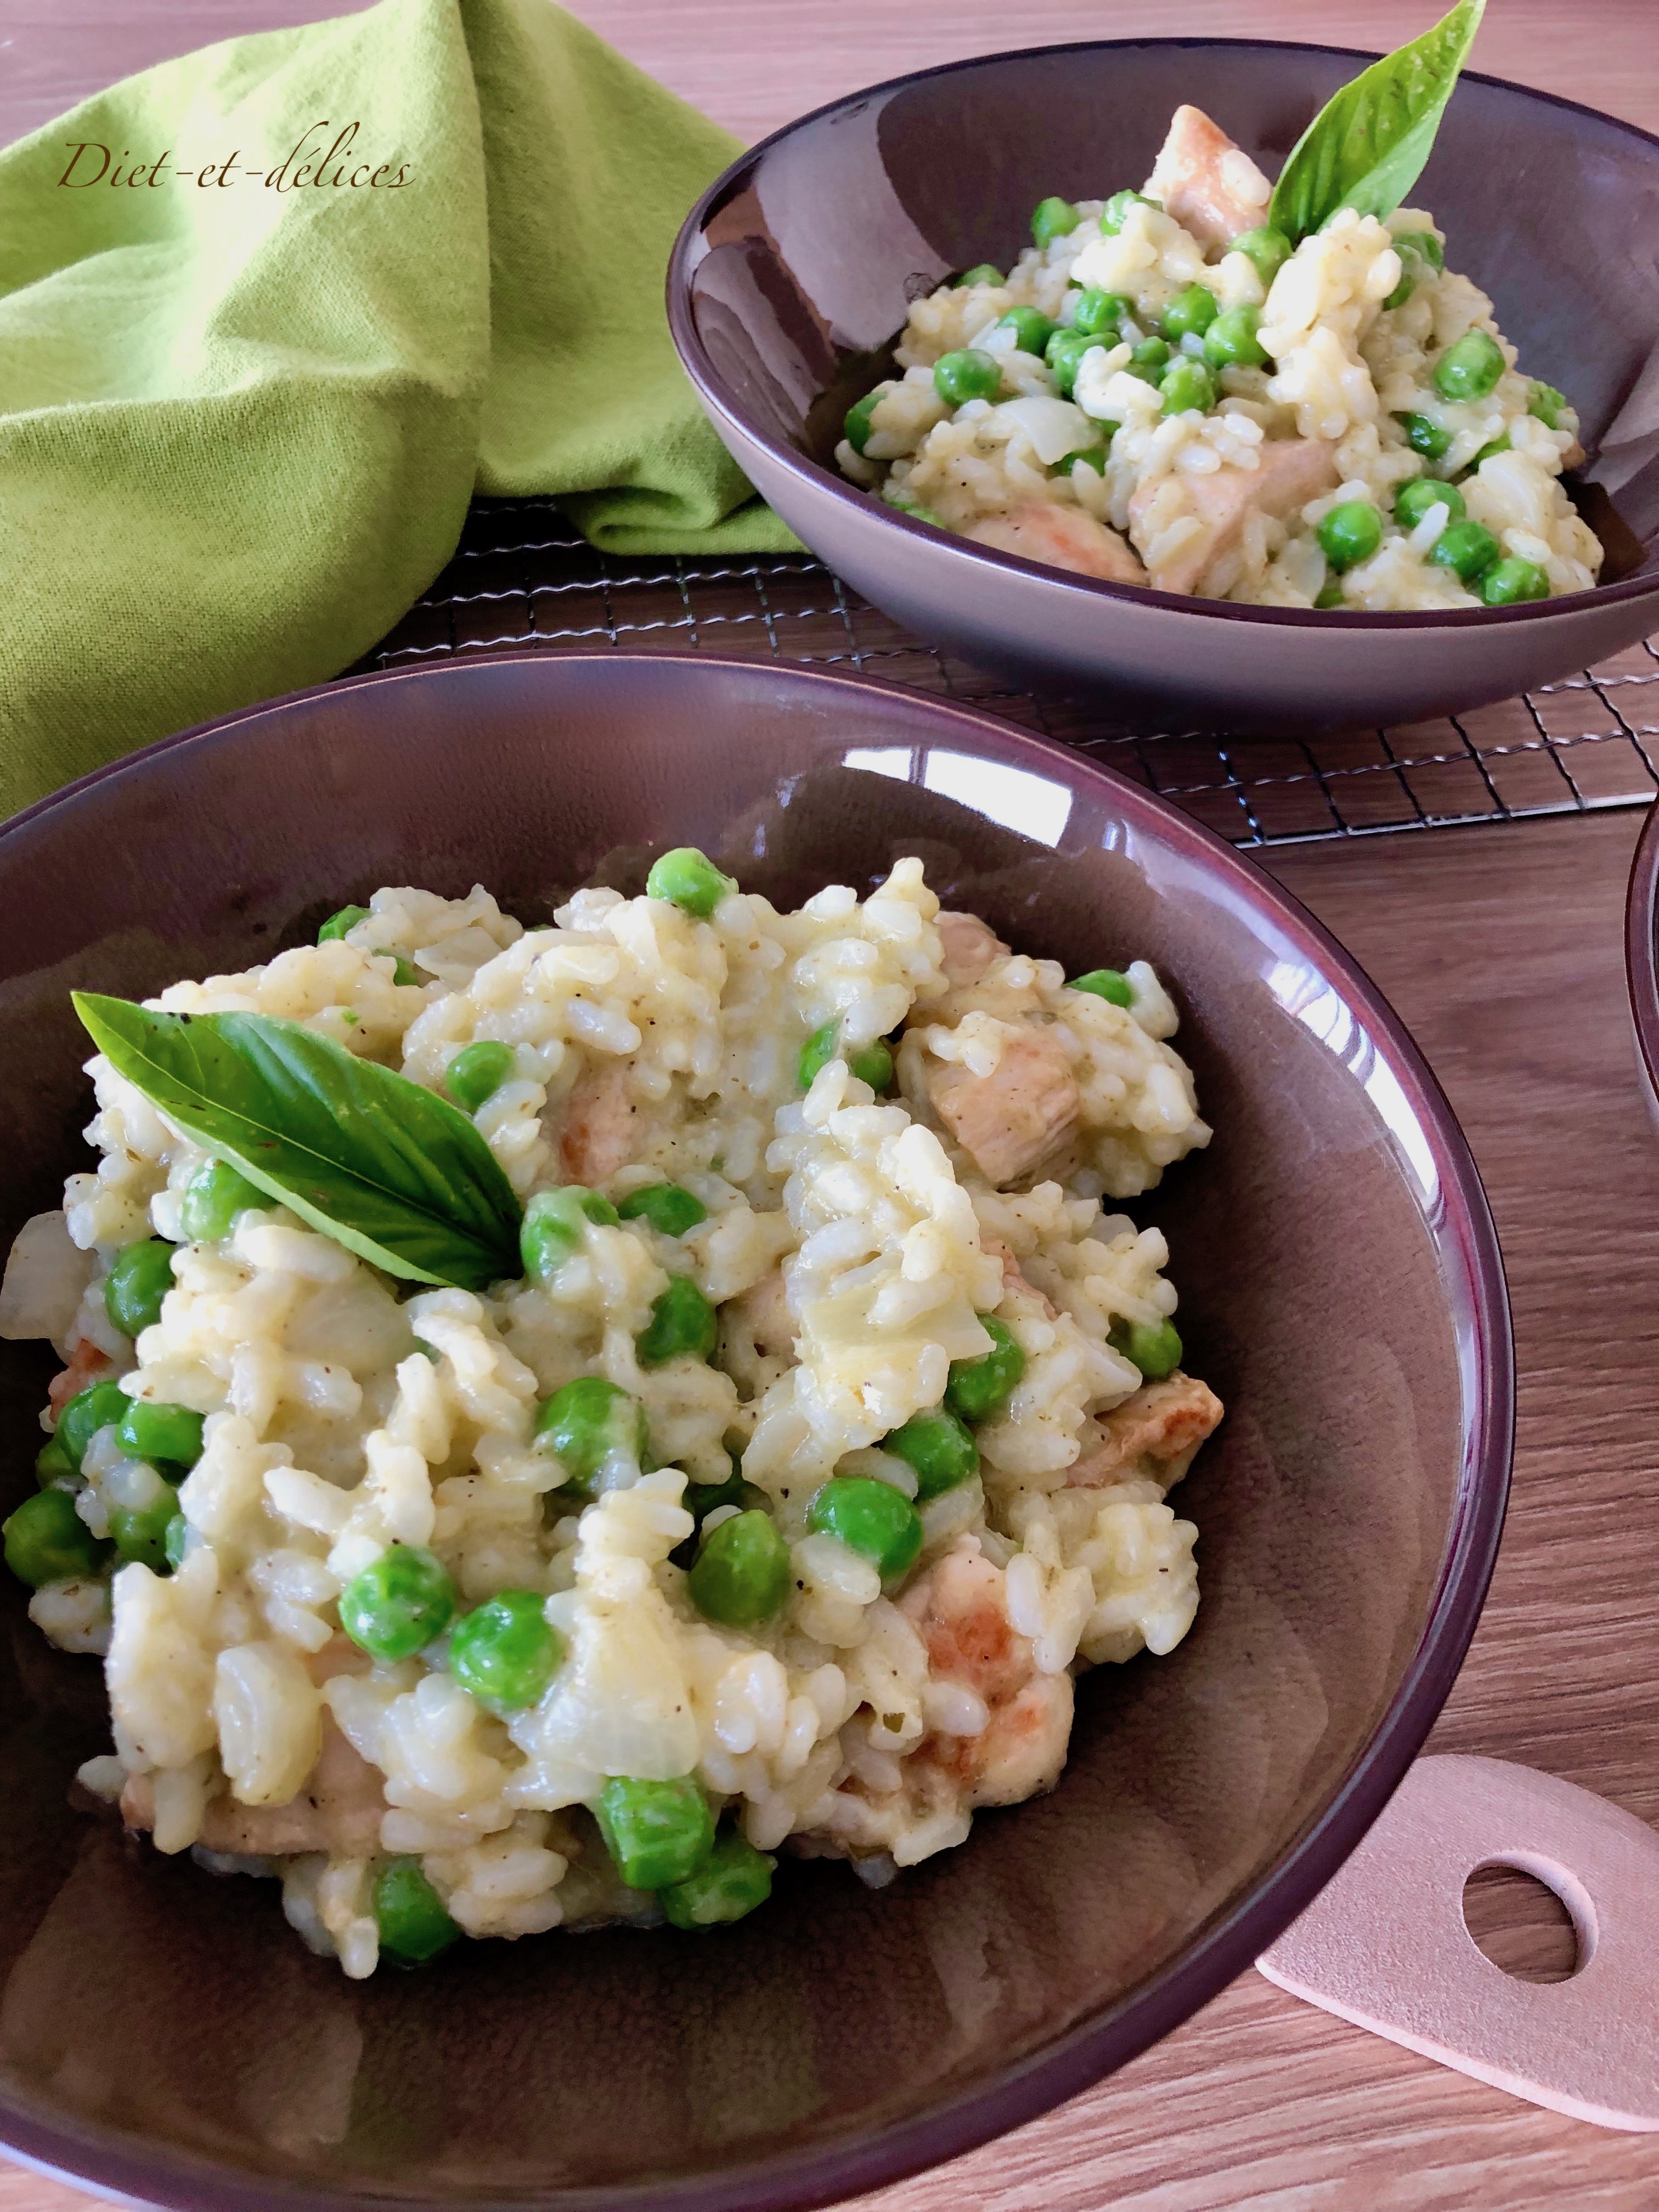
{"points": [[385, 1167], [1366, 147]]}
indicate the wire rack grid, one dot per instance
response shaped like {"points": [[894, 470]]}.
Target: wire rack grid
{"points": [[523, 577]]}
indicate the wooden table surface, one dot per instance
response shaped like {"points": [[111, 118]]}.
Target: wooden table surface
{"points": [[1501, 948]]}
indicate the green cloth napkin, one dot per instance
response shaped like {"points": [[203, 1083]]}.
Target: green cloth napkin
{"points": [[242, 410]]}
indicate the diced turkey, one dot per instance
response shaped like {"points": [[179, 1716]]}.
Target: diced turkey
{"points": [[1209, 185], [1165, 1422], [969, 945], [1063, 537], [1292, 472], [1013, 1118]]}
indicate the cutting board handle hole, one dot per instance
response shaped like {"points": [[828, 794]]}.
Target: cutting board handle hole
{"points": [[1519, 1920]]}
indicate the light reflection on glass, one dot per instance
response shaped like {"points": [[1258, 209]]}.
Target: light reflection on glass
{"points": [[1015, 797], [895, 761], [1322, 1011]]}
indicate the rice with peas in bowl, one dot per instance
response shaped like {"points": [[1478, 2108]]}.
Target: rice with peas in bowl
{"points": [[823, 1437], [1165, 392]]}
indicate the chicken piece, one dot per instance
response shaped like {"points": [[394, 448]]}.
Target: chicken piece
{"points": [[1061, 538], [1291, 471], [597, 1128], [1165, 1422], [1209, 185], [1013, 1278], [968, 947], [86, 1365], [338, 1810], [757, 1335], [960, 1609], [1009, 1121]]}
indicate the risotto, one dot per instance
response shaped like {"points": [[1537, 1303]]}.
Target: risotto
{"points": [[1164, 392], [815, 1433]]}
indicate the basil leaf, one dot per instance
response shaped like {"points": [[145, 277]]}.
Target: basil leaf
{"points": [[382, 1165], [1366, 147]]}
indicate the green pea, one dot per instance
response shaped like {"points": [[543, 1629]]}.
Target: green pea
{"points": [[1413, 501], [1544, 401], [337, 924], [682, 1325], [732, 1881], [176, 1542], [477, 1072], [1423, 435], [1149, 360], [162, 1432], [140, 1526], [1051, 219], [1470, 367], [587, 1420], [939, 1446], [741, 1576], [1187, 388], [413, 1920], [102, 1407], [1231, 341], [1416, 249], [1097, 312], [1094, 455], [979, 1388], [1032, 328], [982, 272], [1063, 353], [1269, 249], [215, 1195], [967, 374], [1190, 311], [47, 1541], [857, 425], [53, 1464], [1330, 595], [1403, 290], [1506, 583], [1350, 534], [915, 511], [136, 1284], [1500, 443], [1115, 212], [657, 1832], [1153, 1347], [401, 974], [1106, 983], [703, 1499], [666, 1206], [395, 1607], [871, 1063], [1424, 245], [870, 1517], [1468, 548], [690, 879], [553, 1224], [506, 1652]]}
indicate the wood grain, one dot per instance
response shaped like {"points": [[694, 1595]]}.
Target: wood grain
{"points": [[752, 64], [1501, 948]]}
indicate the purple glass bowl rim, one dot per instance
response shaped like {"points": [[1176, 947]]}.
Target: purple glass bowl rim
{"points": [[1642, 950], [1234, 1936], [711, 388]]}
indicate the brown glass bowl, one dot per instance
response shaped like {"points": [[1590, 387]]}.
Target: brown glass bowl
{"points": [[1642, 957], [798, 266], [163, 2035]]}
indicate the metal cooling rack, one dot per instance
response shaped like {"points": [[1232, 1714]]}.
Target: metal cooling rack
{"points": [[522, 576]]}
